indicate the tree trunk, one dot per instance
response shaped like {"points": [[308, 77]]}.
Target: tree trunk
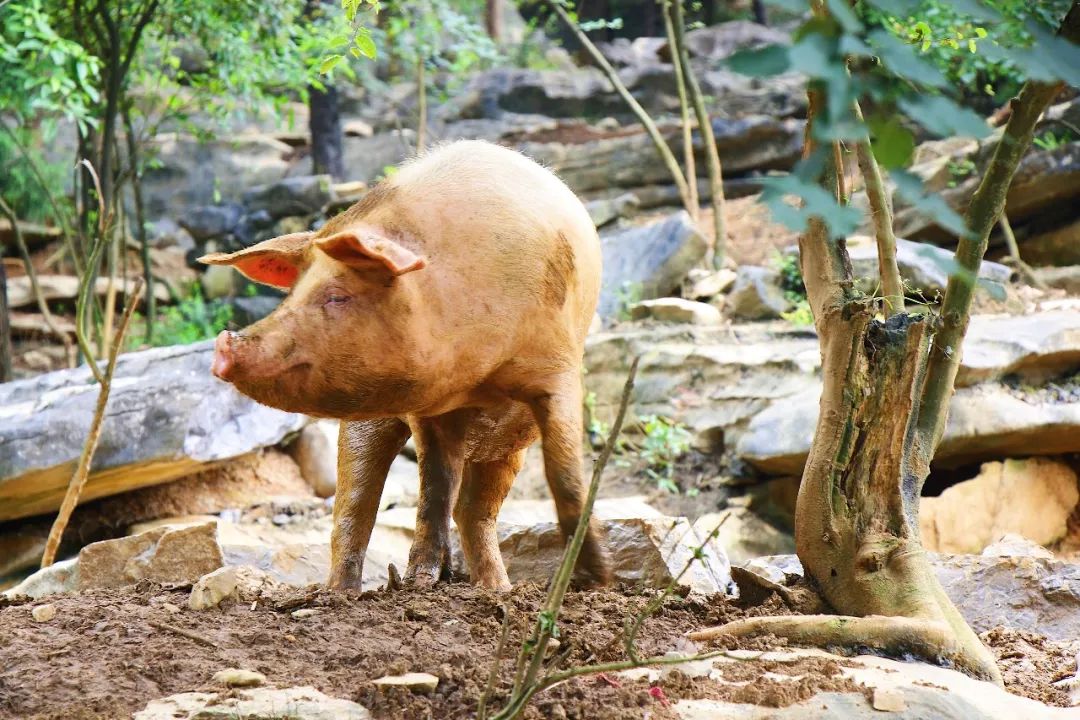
{"points": [[5, 327], [326, 136], [493, 19], [761, 15]]}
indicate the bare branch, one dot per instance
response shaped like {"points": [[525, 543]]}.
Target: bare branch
{"points": [[689, 163]]}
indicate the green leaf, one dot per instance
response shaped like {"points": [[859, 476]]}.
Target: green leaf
{"points": [[943, 117], [762, 62], [366, 46], [329, 62], [841, 10], [842, 220], [892, 143], [934, 206], [902, 60]]}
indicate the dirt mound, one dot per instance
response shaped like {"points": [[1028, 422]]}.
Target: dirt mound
{"points": [[107, 653]]}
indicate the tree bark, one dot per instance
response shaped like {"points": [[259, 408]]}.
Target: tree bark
{"points": [[493, 19], [324, 122], [689, 165], [5, 326], [761, 15]]}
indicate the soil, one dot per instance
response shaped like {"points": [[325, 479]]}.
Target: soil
{"points": [[108, 653], [1030, 663]]}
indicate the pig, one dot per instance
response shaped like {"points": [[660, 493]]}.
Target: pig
{"points": [[449, 304]]}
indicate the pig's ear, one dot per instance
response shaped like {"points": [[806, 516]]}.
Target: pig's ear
{"points": [[276, 262], [362, 249]]}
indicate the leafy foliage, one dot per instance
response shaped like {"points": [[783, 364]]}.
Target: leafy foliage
{"points": [[190, 320], [849, 57], [664, 442]]}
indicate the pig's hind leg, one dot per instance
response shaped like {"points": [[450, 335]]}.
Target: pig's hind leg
{"points": [[366, 450], [440, 453], [483, 489], [557, 407]]}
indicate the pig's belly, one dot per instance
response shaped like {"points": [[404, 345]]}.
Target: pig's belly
{"points": [[497, 432]]}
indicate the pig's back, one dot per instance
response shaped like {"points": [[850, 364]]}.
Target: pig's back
{"points": [[504, 232]]}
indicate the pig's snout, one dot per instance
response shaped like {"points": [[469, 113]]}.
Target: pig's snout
{"points": [[224, 355]]}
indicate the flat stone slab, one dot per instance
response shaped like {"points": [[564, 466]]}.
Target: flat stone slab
{"points": [[167, 417]]}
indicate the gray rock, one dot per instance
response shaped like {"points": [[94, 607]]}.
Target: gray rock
{"points": [[366, 158], [647, 262], [58, 578], [925, 267], [608, 210], [292, 196], [211, 221], [1058, 245], [718, 42], [621, 52], [1066, 278], [1037, 594], [166, 417], [249, 309], [757, 294], [299, 703], [193, 173]]}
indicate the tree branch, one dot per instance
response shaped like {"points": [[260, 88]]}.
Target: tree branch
{"points": [[881, 212], [689, 163], [643, 117], [708, 139], [983, 212]]}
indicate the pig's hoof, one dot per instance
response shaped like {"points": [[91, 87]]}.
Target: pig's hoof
{"points": [[423, 577]]}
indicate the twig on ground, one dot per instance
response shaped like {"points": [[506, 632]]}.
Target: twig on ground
{"points": [[189, 634]]}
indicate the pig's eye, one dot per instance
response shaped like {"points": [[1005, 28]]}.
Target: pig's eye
{"points": [[337, 299]]}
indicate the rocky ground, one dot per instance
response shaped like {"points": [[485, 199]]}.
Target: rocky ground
{"points": [[108, 653], [211, 491]]}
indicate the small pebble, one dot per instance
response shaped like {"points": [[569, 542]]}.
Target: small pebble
{"points": [[417, 682], [235, 677], [304, 613], [889, 700], [44, 613], [170, 608]]}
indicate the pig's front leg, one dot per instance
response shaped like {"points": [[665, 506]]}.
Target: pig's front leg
{"points": [[366, 450], [440, 452]]}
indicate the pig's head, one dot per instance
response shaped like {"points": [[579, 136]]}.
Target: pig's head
{"points": [[343, 343]]}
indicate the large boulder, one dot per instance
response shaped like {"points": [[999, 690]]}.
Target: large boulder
{"points": [[167, 417], [647, 262], [924, 267], [211, 221], [190, 173], [292, 196], [1033, 498], [163, 554], [757, 294], [758, 393]]}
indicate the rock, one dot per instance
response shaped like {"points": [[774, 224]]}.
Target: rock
{"points": [[236, 677], [211, 221], [888, 700], [757, 294], [302, 703], [1032, 498], [1036, 594], [647, 262], [676, 310], [193, 173], [1033, 594], [1013, 545], [924, 691], [305, 613], [60, 577], [239, 583], [608, 210], [180, 555], [167, 416], [417, 682], [718, 42], [366, 158], [66, 287], [1043, 179], [248, 310], [629, 160], [292, 196], [165, 233], [744, 534], [1055, 246], [1065, 278], [707, 284], [622, 51], [643, 551], [43, 613], [315, 451], [925, 267], [218, 281]]}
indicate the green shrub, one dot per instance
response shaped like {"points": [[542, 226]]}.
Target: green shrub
{"points": [[665, 441], [190, 320]]}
